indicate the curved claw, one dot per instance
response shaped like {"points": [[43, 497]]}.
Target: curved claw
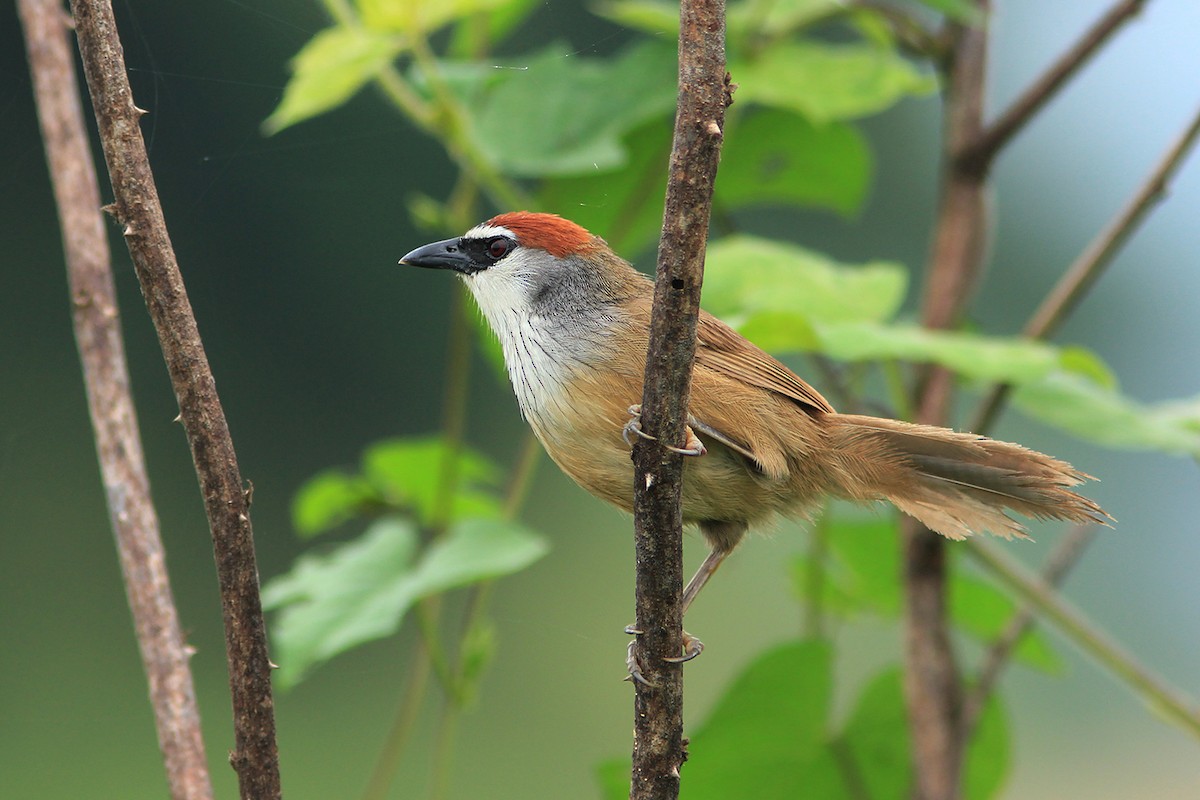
{"points": [[692, 647], [692, 447], [635, 671]]}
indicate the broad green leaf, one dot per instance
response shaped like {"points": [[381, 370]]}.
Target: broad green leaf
{"points": [[974, 356], [572, 137], [1099, 414], [826, 82], [329, 499], [777, 156], [875, 740], [419, 17], [983, 611], [407, 473], [765, 737], [988, 755], [327, 71], [960, 10], [745, 275], [361, 590], [866, 560], [626, 204], [330, 603], [744, 19]]}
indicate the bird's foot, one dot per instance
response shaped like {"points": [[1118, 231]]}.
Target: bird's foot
{"points": [[692, 447], [692, 647]]}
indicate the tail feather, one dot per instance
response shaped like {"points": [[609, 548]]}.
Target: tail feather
{"points": [[955, 483]]}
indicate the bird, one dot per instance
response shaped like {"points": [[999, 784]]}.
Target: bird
{"points": [[573, 321]]}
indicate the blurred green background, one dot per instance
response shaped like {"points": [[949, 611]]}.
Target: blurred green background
{"points": [[321, 345]]}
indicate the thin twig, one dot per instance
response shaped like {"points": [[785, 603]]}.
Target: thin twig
{"points": [[1060, 562], [979, 154], [932, 684], [1169, 702], [110, 402], [226, 502], [658, 523], [1092, 262]]}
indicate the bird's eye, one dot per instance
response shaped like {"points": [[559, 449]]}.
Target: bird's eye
{"points": [[498, 248]]}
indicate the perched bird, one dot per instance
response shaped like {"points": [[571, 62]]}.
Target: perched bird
{"points": [[573, 319]]}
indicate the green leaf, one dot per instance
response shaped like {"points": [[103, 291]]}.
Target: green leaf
{"points": [[407, 473], [778, 156], [627, 203], [331, 68], [827, 82], [571, 137], [1099, 414], [959, 10], [745, 275], [765, 737], [866, 562], [744, 19], [971, 355], [983, 612], [875, 741], [419, 17], [988, 754], [333, 602], [360, 590], [327, 500]]}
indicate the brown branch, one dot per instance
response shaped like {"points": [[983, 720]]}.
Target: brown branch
{"points": [[1065, 556], [110, 401], [1095, 258], [932, 684], [256, 757], [658, 528], [980, 152]]}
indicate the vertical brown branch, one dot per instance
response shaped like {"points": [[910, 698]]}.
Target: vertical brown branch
{"points": [[110, 401], [933, 686], [658, 527], [226, 503]]}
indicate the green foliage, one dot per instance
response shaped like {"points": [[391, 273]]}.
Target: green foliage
{"points": [[361, 590]]}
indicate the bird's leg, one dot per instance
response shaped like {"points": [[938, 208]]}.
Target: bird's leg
{"points": [[692, 646], [692, 447]]}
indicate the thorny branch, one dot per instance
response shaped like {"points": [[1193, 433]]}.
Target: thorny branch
{"points": [[137, 208], [704, 93], [110, 401]]}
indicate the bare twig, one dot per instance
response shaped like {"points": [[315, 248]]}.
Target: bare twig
{"points": [[256, 757], [1092, 262], [1168, 701], [979, 153], [658, 528], [110, 401], [932, 684], [1060, 562]]}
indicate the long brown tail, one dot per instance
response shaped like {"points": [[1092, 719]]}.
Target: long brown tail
{"points": [[955, 483]]}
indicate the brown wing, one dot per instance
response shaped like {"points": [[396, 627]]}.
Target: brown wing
{"points": [[721, 348]]}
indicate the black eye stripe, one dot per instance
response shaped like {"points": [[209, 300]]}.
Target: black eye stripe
{"points": [[487, 251]]}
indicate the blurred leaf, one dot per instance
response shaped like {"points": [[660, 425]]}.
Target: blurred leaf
{"points": [[744, 19], [327, 71], [866, 562], [327, 500], [777, 156], [988, 754], [476, 652], [360, 590], [765, 737], [1084, 362], [572, 137], [407, 472], [959, 10], [333, 602], [1099, 414], [625, 204], [420, 17], [875, 740], [974, 356], [983, 611], [827, 82], [745, 275], [493, 26]]}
